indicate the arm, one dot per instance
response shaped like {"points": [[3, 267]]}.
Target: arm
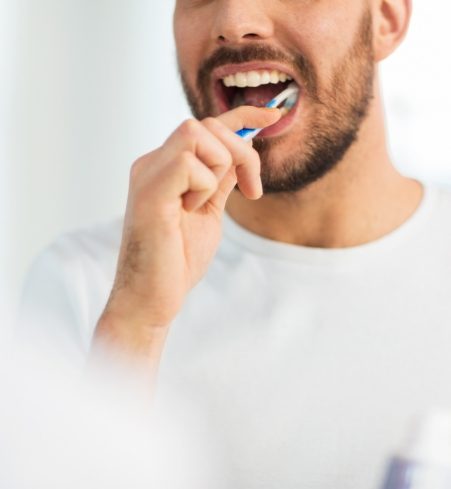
{"points": [[172, 228]]}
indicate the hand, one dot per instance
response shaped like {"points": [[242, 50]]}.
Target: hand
{"points": [[172, 225]]}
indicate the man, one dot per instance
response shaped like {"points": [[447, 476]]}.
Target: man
{"points": [[318, 322]]}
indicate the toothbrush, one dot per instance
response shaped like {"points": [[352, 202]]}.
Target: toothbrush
{"points": [[289, 93]]}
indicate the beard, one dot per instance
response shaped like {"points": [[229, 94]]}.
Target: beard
{"points": [[335, 116]]}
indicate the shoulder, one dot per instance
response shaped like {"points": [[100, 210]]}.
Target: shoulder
{"points": [[85, 252], [68, 283], [81, 262], [94, 242]]}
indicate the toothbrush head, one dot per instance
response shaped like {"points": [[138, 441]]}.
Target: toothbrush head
{"points": [[291, 101]]}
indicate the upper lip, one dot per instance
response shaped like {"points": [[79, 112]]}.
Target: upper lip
{"points": [[231, 69]]}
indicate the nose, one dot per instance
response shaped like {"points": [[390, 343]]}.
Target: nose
{"points": [[241, 21]]}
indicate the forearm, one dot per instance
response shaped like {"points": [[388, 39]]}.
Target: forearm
{"points": [[129, 344]]}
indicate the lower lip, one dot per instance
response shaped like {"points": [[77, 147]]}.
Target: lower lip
{"points": [[284, 124]]}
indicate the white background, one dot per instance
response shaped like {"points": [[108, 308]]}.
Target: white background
{"points": [[87, 86]]}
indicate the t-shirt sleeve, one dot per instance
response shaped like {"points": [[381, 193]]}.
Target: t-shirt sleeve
{"points": [[52, 311]]}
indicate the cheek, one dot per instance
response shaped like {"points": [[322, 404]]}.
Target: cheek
{"points": [[189, 47], [325, 35]]}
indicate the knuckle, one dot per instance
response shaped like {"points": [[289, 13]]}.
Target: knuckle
{"points": [[227, 159], [139, 166], [183, 164], [185, 159], [135, 169], [210, 181], [251, 160], [214, 185], [212, 122], [189, 128]]}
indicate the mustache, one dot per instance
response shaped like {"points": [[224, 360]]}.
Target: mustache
{"points": [[258, 52]]}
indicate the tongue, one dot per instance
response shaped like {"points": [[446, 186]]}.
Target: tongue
{"points": [[260, 96]]}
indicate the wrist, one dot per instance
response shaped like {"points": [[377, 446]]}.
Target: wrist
{"points": [[130, 336]]}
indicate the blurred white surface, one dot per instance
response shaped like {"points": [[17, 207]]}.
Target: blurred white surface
{"points": [[416, 81], [84, 77], [7, 29], [60, 429]]}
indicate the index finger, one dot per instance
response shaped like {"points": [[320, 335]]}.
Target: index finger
{"points": [[250, 117]]}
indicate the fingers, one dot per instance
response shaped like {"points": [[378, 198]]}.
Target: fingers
{"points": [[201, 181], [213, 142], [251, 117], [245, 158], [193, 136], [203, 160], [160, 184], [225, 187]]}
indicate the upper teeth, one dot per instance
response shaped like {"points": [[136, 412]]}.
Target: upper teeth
{"points": [[255, 78]]}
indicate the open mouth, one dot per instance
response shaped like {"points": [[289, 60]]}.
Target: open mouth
{"points": [[256, 85], [255, 88]]}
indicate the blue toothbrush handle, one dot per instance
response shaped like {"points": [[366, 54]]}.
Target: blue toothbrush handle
{"points": [[292, 91], [244, 132]]}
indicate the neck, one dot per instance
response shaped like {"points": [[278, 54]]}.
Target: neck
{"points": [[362, 199]]}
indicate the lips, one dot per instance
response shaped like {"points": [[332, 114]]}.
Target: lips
{"points": [[254, 83]]}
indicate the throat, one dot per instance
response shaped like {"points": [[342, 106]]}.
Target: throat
{"points": [[314, 221]]}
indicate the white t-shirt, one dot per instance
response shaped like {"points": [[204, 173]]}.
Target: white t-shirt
{"points": [[311, 362]]}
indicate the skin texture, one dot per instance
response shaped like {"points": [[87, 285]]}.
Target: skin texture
{"points": [[363, 197], [178, 192], [332, 112], [172, 226]]}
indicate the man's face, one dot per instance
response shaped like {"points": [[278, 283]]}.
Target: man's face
{"points": [[325, 46]]}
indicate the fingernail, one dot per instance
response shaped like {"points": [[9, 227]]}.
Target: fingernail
{"points": [[277, 111]]}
